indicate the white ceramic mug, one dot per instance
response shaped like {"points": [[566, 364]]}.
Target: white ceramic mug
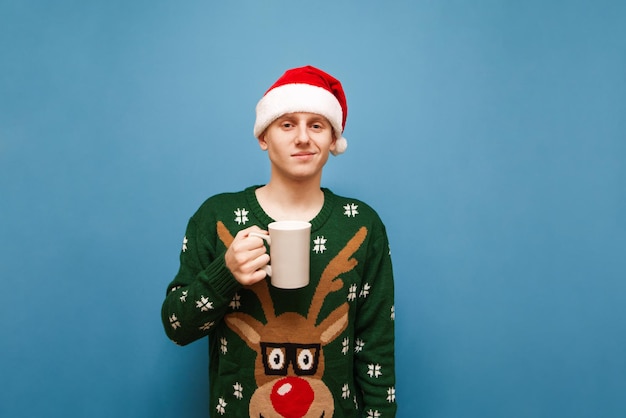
{"points": [[290, 251]]}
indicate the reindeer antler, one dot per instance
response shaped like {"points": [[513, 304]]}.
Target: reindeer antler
{"points": [[261, 288], [225, 236], [342, 263]]}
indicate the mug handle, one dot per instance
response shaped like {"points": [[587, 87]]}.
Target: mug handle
{"points": [[267, 267]]}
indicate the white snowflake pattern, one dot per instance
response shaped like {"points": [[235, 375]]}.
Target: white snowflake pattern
{"points": [[241, 216], [393, 313], [319, 245], [346, 345], [350, 210], [345, 391], [206, 326], [223, 345], [352, 292], [221, 406], [365, 291], [391, 394], [235, 303], [174, 321], [373, 370], [185, 244], [204, 304], [183, 298], [238, 390], [358, 346], [373, 414]]}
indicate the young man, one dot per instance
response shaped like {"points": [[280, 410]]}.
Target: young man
{"points": [[326, 350]]}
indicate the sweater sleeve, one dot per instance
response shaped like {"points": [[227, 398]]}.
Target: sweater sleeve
{"points": [[374, 332], [199, 295]]}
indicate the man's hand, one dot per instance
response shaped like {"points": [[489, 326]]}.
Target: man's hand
{"points": [[246, 256]]}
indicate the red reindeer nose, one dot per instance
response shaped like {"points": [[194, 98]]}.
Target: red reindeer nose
{"points": [[292, 397]]}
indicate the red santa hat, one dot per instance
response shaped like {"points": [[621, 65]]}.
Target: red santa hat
{"points": [[305, 89]]}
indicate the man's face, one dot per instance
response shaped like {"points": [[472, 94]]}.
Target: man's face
{"points": [[298, 145]]}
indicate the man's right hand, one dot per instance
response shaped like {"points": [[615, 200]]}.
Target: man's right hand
{"points": [[246, 256]]}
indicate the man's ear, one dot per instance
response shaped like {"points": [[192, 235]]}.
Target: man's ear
{"points": [[333, 144], [262, 142]]}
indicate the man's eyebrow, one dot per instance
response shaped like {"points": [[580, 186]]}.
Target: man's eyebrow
{"points": [[318, 118]]}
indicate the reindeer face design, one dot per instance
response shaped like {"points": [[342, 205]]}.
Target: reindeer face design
{"points": [[289, 368]]}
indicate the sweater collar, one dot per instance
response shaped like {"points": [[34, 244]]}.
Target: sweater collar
{"points": [[265, 219]]}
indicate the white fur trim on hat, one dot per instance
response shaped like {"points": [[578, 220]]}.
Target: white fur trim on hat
{"points": [[297, 97]]}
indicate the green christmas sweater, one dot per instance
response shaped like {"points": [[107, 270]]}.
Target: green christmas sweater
{"points": [[326, 350]]}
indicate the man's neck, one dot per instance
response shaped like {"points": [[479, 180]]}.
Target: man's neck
{"points": [[291, 201]]}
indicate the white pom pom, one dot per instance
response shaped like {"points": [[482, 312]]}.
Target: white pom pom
{"points": [[340, 146]]}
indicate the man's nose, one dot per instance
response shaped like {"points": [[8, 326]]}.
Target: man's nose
{"points": [[302, 134]]}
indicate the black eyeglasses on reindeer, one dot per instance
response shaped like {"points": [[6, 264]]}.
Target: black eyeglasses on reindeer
{"points": [[278, 356]]}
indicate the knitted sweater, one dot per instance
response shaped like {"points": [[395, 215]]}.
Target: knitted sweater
{"points": [[326, 350]]}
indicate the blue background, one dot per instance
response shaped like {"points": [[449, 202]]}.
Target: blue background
{"points": [[489, 135]]}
